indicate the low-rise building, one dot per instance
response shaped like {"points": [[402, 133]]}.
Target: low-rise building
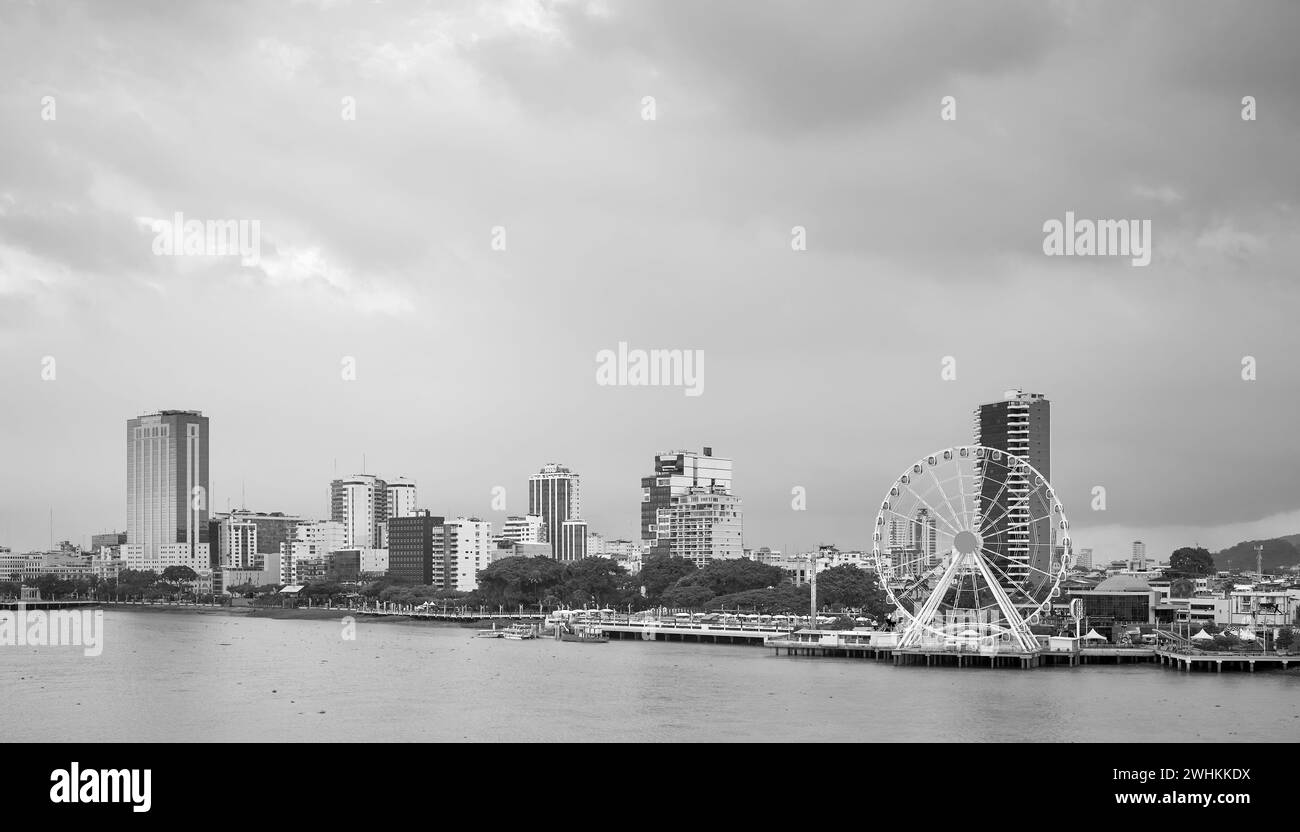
{"points": [[1263, 608], [1117, 602]]}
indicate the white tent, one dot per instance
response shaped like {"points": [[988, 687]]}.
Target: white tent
{"points": [[1093, 635], [1202, 634]]}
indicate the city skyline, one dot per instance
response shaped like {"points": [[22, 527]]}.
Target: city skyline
{"points": [[696, 462], [498, 214]]}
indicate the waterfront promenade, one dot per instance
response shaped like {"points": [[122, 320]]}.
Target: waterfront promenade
{"points": [[881, 646]]}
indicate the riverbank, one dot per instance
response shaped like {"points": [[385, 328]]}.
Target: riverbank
{"points": [[280, 613]]}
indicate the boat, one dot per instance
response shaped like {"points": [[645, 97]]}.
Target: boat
{"points": [[584, 635], [492, 633], [519, 632]]}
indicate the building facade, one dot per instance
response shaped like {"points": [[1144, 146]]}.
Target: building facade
{"points": [[468, 549], [554, 494], [688, 509], [1017, 530], [360, 503], [416, 545], [312, 540], [167, 491], [530, 528]]}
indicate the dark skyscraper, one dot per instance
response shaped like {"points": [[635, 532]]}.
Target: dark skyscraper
{"points": [[553, 495], [416, 549], [1017, 528]]}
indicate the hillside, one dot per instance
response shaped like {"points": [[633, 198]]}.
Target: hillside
{"points": [[1278, 552]]}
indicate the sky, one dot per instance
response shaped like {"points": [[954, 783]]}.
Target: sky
{"points": [[501, 208]]}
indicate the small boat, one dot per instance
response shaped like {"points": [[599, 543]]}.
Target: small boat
{"points": [[492, 633], [518, 632], [585, 635]]}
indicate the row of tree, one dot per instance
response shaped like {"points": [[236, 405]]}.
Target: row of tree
{"points": [[173, 582]]}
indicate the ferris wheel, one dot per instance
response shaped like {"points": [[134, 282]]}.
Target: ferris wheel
{"points": [[971, 544]]}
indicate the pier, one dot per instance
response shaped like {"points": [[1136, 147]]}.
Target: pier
{"points": [[1219, 662], [700, 633]]}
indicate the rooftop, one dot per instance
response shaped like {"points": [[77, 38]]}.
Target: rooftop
{"points": [[1123, 583]]}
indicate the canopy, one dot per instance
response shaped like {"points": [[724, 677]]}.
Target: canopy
{"points": [[972, 633], [1202, 634], [1093, 634]]}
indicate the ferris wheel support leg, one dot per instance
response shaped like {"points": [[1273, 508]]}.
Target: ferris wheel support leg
{"points": [[922, 619], [1015, 621]]}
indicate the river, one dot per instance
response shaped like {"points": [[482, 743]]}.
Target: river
{"points": [[186, 676]]}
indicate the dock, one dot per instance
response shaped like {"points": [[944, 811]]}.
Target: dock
{"points": [[1219, 662], [751, 634], [881, 646]]}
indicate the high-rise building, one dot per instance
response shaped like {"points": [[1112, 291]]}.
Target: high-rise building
{"points": [[1138, 561], [273, 528], [401, 498], [416, 546], [360, 503], [530, 528], [400, 502], [236, 543], [572, 542], [1083, 559], [688, 510], [167, 491], [468, 549], [312, 541], [1017, 527], [923, 537], [554, 495]]}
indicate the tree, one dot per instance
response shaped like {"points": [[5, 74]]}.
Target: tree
{"points": [[179, 576], [132, 582], [727, 577], [783, 598], [592, 580], [510, 582], [1226, 641], [1285, 638], [1182, 588], [686, 597], [851, 586], [660, 572], [1191, 561]]}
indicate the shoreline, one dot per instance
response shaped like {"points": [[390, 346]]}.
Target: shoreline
{"points": [[278, 613]]}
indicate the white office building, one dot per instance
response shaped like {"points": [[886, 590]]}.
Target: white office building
{"points": [[360, 503], [311, 541], [530, 528], [468, 549]]}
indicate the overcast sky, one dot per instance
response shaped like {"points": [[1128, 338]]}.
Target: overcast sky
{"points": [[475, 366]]}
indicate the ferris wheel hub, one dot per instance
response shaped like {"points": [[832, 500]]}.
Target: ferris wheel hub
{"points": [[966, 542]]}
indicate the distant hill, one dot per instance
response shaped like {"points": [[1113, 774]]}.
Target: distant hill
{"points": [[1278, 552]]}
